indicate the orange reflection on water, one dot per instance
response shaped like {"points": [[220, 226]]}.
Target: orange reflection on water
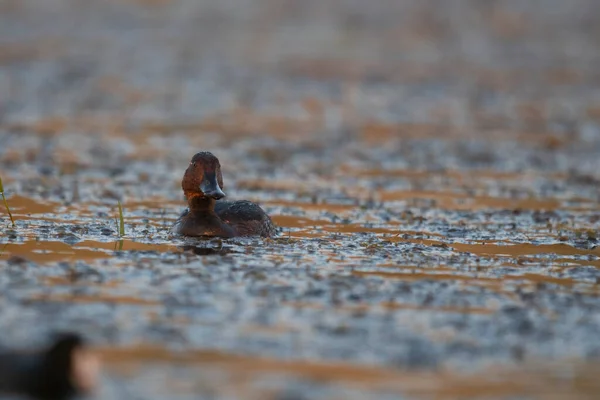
{"points": [[467, 176], [522, 249], [21, 206], [98, 298], [87, 250], [462, 201], [547, 380], [385, 306]]}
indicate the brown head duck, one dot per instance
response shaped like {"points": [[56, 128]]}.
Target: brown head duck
{"points": [[207, 214]]}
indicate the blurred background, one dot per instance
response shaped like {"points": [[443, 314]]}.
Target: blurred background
{"points": [[527, 65], [433, 166]]}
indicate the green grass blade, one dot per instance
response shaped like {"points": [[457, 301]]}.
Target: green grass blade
{"points": [[6, 203], [121, 221]]}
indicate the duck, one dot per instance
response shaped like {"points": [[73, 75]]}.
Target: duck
{"points": [[66, 369], [208, 214]]}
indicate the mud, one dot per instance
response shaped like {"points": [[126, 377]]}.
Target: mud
{"points": [[433, 168]]}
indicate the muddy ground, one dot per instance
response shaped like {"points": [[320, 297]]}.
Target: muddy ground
{"points": [[433, 167]]}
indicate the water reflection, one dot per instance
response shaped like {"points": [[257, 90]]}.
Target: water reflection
{"points": [[206, 250], [86, 250], [406, 187], [220, 371]]}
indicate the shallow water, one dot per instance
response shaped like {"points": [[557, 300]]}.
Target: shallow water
{"points": [[432, 166]]}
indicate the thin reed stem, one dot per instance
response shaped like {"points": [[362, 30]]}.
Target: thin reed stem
{"points": [[6, 203]]}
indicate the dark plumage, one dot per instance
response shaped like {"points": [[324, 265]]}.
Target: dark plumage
{"points": [[48, 374], [207, 215], [245, 217]]}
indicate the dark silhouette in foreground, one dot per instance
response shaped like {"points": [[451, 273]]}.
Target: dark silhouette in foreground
{"points": [[62, 371]]}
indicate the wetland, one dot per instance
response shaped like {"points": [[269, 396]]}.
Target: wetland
{"points": [[433, 168]]}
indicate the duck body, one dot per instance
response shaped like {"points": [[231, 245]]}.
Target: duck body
{"points": [[229, 219], [208, 215], [246, 218]]}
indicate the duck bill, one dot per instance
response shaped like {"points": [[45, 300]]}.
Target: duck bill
{"points": [[210, 187]]}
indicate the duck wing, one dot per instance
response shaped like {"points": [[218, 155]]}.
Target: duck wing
{"points": [[246, 217]]}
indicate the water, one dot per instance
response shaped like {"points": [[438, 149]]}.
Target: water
{"points": [[434, 176]]}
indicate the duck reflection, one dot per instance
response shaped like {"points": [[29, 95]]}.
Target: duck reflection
{"points": [[206, 250]]}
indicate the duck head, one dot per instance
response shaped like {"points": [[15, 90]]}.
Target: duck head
{"points": [[203, 177]]}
